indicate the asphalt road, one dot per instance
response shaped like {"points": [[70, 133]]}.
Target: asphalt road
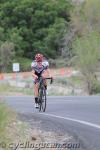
{"points": [[78, 116]]}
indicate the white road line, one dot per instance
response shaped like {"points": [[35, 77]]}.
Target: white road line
{"points": [[74, 120]]}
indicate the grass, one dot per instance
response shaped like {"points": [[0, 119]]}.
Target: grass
{"points": [[98, 94], [12, 130], [76, 80], [10, 90], [64, 81], [61, 80], [5, 118]]}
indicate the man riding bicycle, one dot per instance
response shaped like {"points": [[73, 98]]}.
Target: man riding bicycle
{"points": [[40, 67]]}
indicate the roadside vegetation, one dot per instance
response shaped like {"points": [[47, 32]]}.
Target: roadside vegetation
{"points": [[62, 85], [67, 33], [86, 44], [5, 120], [14, 90], [16, 132], [33, 26]]}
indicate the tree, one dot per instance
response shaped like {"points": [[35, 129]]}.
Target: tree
{"points": [[87, 49], [6, 56], [35, 25], [85, 17], [86, 22]]}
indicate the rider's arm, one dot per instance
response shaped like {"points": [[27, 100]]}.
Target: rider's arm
{"points": [[33, 71], [33, 74], [49, 73]]}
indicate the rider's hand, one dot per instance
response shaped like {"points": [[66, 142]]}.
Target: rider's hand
{"points": [[35, 77]]}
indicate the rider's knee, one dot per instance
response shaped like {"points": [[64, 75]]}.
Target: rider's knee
{"points": [[36, 85]]}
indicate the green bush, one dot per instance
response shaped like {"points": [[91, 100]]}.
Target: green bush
{"points": [[96, 88]]}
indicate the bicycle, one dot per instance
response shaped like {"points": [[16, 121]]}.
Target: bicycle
{"points": [[42, 94]]}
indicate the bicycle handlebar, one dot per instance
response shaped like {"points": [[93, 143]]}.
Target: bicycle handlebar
{"points": [[47, 78], [50, 79]]}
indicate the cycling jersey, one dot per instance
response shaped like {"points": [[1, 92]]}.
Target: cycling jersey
{"points": [[39, 68]]}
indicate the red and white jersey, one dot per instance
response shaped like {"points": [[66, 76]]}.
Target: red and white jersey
{"points": [[39, 67]]}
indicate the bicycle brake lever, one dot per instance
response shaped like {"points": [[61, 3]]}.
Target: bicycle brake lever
{"points": [[51, 80]]}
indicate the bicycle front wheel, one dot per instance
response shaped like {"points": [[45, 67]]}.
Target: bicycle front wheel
{"points": [[43, 98]]}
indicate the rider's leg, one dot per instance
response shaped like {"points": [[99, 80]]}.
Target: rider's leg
{"points": [[45, 84], [36, 86], [44, 75]]}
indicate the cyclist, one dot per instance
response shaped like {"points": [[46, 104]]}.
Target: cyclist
{"points": [[40, 67]]}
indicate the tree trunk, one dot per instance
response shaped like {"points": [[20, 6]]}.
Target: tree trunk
{"points": [[89, 87]]}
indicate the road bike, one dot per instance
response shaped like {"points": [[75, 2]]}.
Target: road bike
{"points": [[42, 97]]}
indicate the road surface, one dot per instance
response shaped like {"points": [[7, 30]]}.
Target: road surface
{"points": [[78, 116]]}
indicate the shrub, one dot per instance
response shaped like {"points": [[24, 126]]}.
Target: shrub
{"points": [[96, 88]]}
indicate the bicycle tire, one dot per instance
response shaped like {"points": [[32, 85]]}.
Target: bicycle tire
{"points": [[42, 99], [39, 99], [43, 104]]}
